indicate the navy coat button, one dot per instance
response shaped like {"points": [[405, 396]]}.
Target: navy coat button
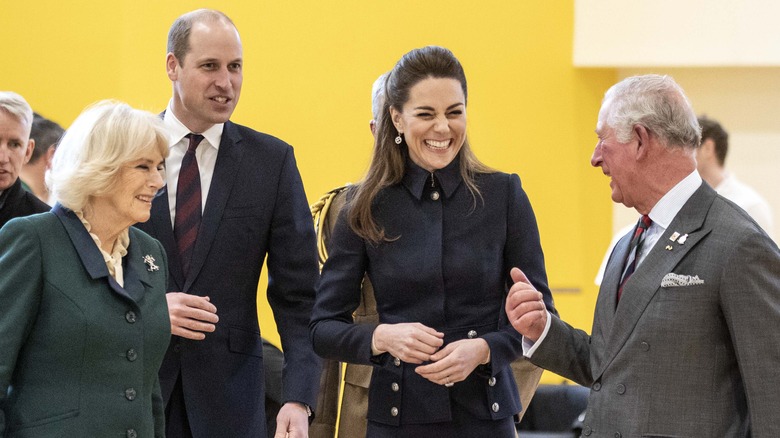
{"points": [[130, 317], [492, 381], [395, 387], [132, 355], [397, 362], [621, 389], [131, 433], [394, 412], [176, 348], [130, 394], [495, 407], [472, 334], [435, 196]]}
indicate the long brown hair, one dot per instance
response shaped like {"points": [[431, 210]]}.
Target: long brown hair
{"points": [[388, 161]]}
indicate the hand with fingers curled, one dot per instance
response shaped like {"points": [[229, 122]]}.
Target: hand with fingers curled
{"points": [[411, 342], [455, 361], [525, 307], [192, 316]]}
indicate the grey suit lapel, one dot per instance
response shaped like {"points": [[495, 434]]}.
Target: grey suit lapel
{"points": [[225, 170], [640, 289]]}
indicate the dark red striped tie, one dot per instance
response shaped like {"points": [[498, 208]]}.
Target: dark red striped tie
{"points": [[636, 247], [188, 204]]}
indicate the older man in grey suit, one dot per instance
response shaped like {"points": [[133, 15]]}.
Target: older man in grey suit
{"points": [[685, 339]]}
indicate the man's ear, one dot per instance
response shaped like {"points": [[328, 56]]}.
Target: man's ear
{"points": [[643, 141], [171, 64], [49, 155]]}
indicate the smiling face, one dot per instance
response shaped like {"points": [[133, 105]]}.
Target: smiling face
{"points": [[617, 161], [15, 148], [137, 183], [433, 121], [207, 82]]}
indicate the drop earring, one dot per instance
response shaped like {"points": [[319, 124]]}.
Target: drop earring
{"points": [[398, 138]]}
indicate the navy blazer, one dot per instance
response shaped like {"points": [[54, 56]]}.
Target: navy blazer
{"points": [[79, 353], [448, 268], [256, 207], [18, 202]]}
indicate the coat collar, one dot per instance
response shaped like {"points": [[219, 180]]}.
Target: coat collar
{"points": [[92, 259], [415, 178], [640, 289]]}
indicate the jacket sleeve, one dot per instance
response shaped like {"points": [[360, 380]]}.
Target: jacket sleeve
{"points": [[333, 331], [523, 250], [292, 277], [21, 284]]}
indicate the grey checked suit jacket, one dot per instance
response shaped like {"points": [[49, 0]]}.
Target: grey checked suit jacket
{"points": [[701, 360]]}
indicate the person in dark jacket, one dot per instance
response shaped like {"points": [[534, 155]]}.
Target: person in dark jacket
{"points": [[437, 232]]}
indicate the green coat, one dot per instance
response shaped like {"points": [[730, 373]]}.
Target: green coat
{"points": [[79, 354]]}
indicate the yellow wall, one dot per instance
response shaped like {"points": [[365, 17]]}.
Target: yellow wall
{"points": [[309, 66]]}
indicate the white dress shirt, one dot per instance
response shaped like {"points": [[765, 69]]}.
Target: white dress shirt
{"points": [[662, 214], [206, 155]]}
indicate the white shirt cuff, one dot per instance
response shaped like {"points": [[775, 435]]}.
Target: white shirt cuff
{"points": [[529, 347]]}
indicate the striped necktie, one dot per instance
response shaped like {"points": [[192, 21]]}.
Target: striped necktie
{"points": [[188, 204], [635, 248]]}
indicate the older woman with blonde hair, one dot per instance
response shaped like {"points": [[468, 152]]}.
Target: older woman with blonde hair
{"points": [[84, 321]]}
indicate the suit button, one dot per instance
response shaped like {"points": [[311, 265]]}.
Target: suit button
{"points": [[645, 346], [435, 196], [472, 334], [596, 386], [131, 433], [586, 431], [395, 387], [130, 394], [494, 407], [397, 362], [394, 412], [492, 381], [130, 317], [132, 355], [176, 348], [621, 389]]}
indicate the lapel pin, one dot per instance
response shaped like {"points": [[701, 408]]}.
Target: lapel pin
{"points": [[674, 236], [682, 239], [149, 262], [669, 247]]}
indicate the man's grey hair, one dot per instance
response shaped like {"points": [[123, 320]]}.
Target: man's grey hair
{"points": [[15, 105], [656, 102], [378, 95]]}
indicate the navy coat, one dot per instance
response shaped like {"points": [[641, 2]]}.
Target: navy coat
{"points": [[256, 207], [448, 268]]}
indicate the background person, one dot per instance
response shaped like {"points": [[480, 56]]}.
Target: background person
{"points": [[684, 339], [437, 232], [46, 134], [16, 147], [233, 199], [84, 323]]}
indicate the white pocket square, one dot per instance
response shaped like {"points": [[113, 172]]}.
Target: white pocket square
{"points": [[676, 280]]}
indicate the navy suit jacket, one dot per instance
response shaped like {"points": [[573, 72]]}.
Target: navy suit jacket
{"points": [[256, 207]]}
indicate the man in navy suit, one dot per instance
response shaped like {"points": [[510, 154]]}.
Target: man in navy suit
{"points": [[252, 205]]}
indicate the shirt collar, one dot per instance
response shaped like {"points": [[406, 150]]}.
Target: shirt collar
{"points": [[177, 130], [670, 204], [447, 178]]}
